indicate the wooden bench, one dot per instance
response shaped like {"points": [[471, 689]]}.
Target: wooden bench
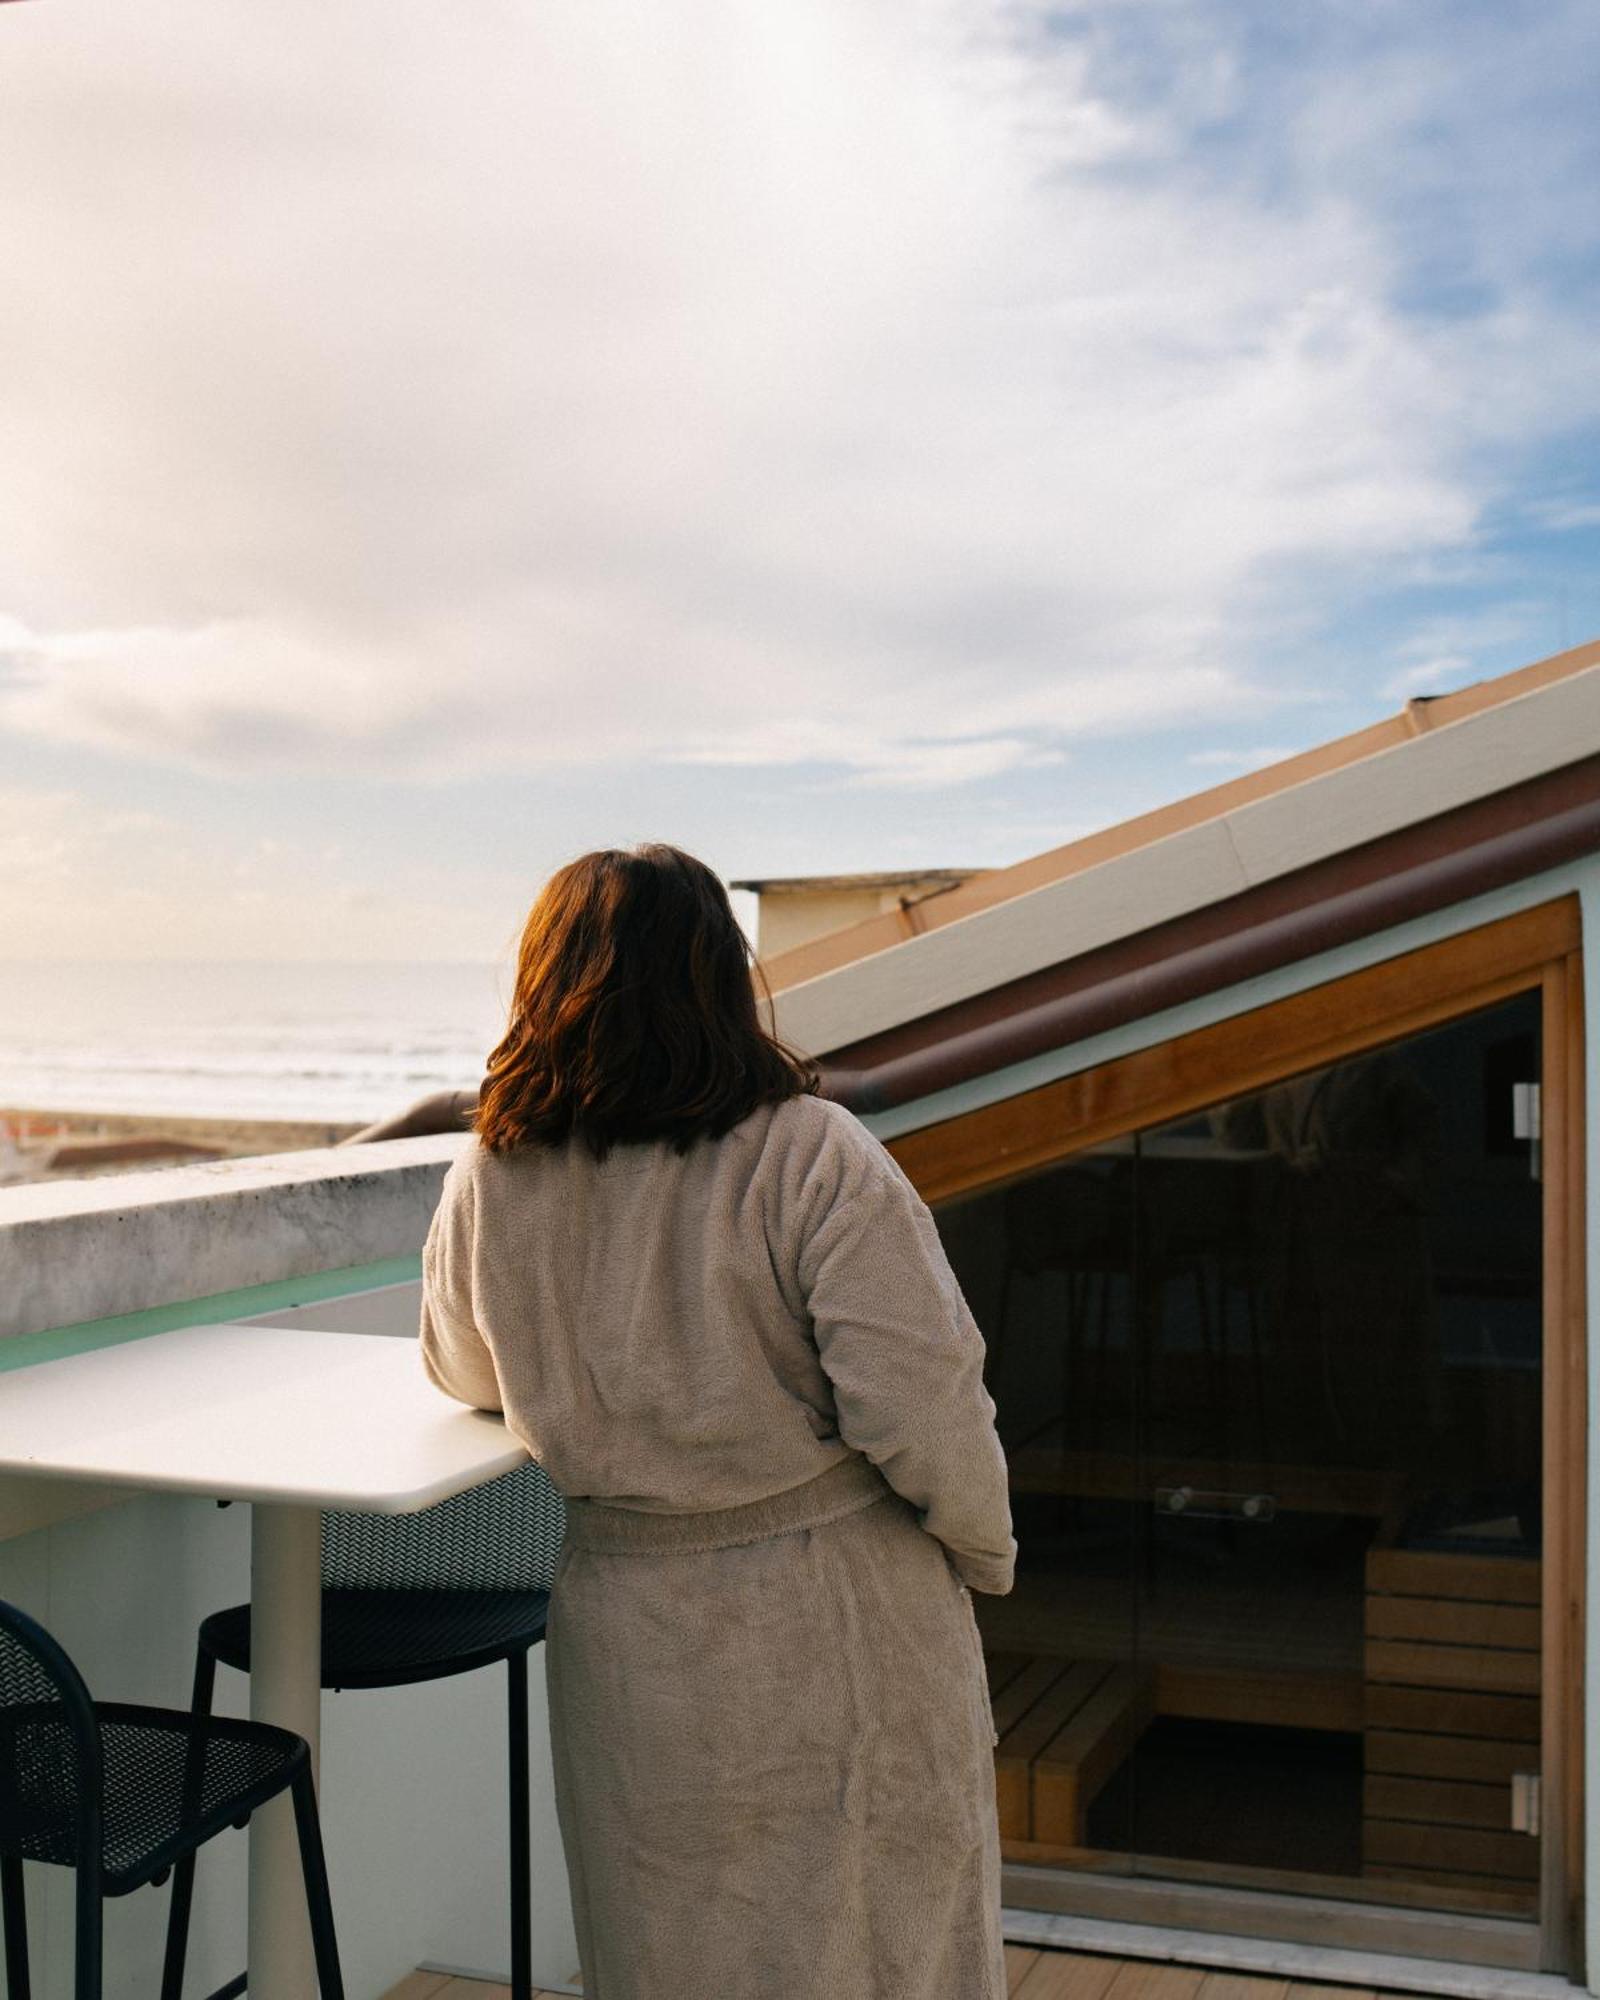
{"points": [[1064, 1726]]}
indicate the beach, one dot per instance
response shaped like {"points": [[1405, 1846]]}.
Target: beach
{"points": [[116, 1067], [74, 1145]]}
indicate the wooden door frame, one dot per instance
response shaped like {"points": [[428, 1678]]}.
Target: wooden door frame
{"points": [[1540, 950]]}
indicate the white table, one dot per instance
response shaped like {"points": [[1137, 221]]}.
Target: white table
{"points": [[292, 1421]]}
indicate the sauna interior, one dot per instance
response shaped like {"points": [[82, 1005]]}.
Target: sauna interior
{"points": [[1268, 1375]]}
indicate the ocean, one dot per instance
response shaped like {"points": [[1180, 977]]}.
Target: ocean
{"points": [[327, 1041]]}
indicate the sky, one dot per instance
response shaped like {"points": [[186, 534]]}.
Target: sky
{"points": [[851, 435]]}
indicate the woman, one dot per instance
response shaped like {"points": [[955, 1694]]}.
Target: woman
{"points": [[718, 1315]]}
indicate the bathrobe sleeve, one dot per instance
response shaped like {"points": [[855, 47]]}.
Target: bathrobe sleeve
{"points": [[905, 1359], [455, 1355]]}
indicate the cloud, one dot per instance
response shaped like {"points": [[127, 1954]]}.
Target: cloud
{"points": [[1446, 652], [938, 765], [79, 880], [1256, 759], [1565, 515], [914, 392], [38, 838]]}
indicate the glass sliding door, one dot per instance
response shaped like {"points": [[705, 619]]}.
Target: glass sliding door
{"points": [[1269, 1379], [1049, 1266]]}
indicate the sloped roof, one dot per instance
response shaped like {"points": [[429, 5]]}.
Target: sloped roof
{"points": [[853, 992]]}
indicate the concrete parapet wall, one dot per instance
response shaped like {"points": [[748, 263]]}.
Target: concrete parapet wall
{"points": [[85, 1251]]}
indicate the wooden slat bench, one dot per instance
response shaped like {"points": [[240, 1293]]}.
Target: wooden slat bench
{"points": [[1064, 1728]]}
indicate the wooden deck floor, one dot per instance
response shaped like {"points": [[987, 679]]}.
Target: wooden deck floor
{"points": [[1031, 1975]]}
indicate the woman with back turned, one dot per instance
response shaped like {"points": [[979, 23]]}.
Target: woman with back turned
{"points": [[716, 1312]]}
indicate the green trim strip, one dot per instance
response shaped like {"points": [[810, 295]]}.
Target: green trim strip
{"points": [[59, 1341]]}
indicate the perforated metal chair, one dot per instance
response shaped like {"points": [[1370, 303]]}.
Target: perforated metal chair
{"points": [[123, 1794], [416, 1597]]}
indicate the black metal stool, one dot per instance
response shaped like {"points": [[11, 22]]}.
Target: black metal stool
{"points": [[123, 1794], [416, 1597]]}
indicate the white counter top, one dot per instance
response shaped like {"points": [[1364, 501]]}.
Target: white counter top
{"points": [[253, 1413]]}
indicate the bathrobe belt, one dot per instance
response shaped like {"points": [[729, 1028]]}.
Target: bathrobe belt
{"points": [[855, 1482]]}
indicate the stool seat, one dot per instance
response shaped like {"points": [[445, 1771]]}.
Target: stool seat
{"points": [[171, 1782], [386, 1638]]}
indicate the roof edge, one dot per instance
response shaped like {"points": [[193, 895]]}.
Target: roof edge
{"points": [[1421, 716], [1431, 866]]}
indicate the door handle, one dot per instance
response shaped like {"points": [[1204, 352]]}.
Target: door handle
{"points": [[1206, 1504]]}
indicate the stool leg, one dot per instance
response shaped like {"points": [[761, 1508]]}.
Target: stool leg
{"points": [[319, 1907], [86, 1970], [520, 1844], [205, 1673], [16, 1922]]}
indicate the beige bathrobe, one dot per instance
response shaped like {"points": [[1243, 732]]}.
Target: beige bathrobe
{"points": [[751, 1372]]}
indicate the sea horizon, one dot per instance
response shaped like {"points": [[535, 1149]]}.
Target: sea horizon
{"points": [[322, 1039]]}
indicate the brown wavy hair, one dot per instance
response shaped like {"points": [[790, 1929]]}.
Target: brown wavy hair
{"points": [[634, 1013]]}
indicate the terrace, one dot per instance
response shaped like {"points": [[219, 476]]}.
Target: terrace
{"points": [[412, 1778]]}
